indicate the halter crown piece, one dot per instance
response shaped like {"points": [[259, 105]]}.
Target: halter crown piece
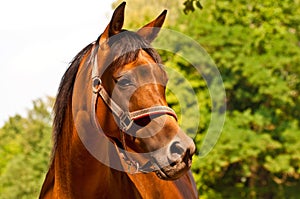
{"points": [[126, 119]]}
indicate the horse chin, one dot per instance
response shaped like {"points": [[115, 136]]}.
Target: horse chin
{"points": [[173, 172]]}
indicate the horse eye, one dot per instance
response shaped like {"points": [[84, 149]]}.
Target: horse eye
{"points": [[124, 82]]}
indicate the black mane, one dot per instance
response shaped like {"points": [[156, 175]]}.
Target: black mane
{"points": [[65, 91], [126, 41]]}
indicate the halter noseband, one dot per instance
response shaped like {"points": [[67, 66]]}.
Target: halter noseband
{"points": [[126, 119]]}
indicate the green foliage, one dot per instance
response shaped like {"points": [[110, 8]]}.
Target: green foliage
{"points": [[24, 151], [189, 6], [256, 47]]}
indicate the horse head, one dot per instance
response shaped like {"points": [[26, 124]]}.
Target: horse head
{"points": [[129, 84]]}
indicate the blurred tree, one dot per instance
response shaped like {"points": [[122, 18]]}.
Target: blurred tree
{"points": [[190, 5], [24, 151], [256, 47]]}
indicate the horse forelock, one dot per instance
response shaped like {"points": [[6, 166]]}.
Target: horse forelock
{"points": [[125, 48]]}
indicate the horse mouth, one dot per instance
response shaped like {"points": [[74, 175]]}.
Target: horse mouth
{"points": [[173, 165], [174, 170]]}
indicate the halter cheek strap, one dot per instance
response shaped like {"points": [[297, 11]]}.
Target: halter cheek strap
{"points": [[125, 121]]}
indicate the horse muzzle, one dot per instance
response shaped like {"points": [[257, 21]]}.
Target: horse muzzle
{"points": [[176, 160]]}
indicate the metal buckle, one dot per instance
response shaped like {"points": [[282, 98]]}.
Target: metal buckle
{"points": [[125, 122]]}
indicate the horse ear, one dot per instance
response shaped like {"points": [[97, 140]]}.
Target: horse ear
{"points": [[150, 31], [115, 25]]}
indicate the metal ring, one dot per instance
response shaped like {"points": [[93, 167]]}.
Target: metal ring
{"points": [[96, 84]]}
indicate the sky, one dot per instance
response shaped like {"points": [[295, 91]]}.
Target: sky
{"points": [[38, 39]]}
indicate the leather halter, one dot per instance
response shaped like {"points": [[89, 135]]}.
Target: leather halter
{"points": [[126, 119]]}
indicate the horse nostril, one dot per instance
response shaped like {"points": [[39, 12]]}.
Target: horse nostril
{"points": [[176, 149], [177, 152]]}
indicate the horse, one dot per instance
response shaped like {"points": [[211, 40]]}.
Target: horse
{"points": [[114, 134]]}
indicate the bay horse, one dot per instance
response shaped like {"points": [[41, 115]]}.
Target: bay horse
{"points": [[114, 134]]}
